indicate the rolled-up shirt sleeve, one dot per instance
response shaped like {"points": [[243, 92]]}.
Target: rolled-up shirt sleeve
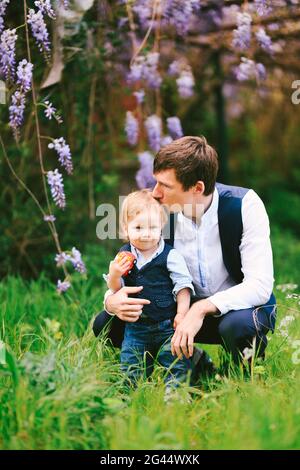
{"points": [[256, 259], [179, 273]]}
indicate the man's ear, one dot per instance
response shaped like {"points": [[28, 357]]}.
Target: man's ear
{"points": [[199, 187]]}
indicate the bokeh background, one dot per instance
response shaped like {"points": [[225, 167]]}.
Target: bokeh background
{"points": [[225, 69]]}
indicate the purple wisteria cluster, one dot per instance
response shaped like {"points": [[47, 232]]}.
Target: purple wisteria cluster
{"points": [[74, 257], [185, 79], [174, 127], [263, 7], [8, 54], [131, 128], [248, 69], [140, 95], [55, 181], [264, 41], [146, 68], [64, 154], [3, 6], [242, 35], [45, 8], [179, 13], [39, 29], [144, 176], [18, 99], [20, 80], [175, 13], [153, 127]]}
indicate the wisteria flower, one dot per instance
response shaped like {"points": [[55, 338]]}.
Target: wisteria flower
{"points": [[140, 95], [24, 75], [39, 30], [61, 259], [153, 126], [50, 110], [145, 68], [174, 127], [185, 84], [248, 69], [179, 13], [65, 3], [77, 262], [175, 67], [143, 10], [3, 6], [64, 153], [55, 181], [264, 41], [49, 218], [7, 53], [62, 286], [16, 112], [242, 35], [45, 7], [144, 176], [263, 7], [131, 128], [165, 140]]}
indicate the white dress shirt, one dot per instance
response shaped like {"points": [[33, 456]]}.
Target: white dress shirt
{"points": [[201, 248]]}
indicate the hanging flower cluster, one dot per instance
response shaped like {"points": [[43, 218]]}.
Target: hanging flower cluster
{"points": [[20, 79]]}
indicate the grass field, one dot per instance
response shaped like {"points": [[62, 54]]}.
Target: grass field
{"points": [[62, 389]]}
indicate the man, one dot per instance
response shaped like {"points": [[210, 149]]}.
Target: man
{"points": [[223, 233]]}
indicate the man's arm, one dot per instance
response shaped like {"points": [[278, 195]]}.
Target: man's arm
{"points": [[256, 258]]}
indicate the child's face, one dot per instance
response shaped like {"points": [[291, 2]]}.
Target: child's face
{"points": [[144, 231]]}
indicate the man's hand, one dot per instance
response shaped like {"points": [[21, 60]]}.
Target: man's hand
{"points": [[183, 339], [126, 308]]}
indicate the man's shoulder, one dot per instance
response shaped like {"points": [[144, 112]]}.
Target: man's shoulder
{"points": [[226, 190]]}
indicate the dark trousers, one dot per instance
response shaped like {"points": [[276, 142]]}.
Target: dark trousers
{"points": [[234, 331]]}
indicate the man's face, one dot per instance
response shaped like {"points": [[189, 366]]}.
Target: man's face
{"points": [[169, 191]]}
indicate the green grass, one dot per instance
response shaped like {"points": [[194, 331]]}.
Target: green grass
{"points": [[62, 389]]}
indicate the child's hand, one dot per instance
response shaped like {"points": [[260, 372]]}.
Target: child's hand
{"points": [[119, 267], [178, 319]]}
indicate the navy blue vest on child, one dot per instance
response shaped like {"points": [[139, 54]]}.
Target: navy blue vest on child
{"points": [[155, 278]]}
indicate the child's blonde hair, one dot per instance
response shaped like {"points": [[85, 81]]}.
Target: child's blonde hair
{"points": [[135, 203]]}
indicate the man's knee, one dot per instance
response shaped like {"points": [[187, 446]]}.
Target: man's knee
{"points": [[114, 325], [236, 326]]}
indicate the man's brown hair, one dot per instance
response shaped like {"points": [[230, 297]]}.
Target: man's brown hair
{"points": [[192, 159]]}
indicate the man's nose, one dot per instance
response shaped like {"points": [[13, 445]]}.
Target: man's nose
{"points": [[156, 193]]}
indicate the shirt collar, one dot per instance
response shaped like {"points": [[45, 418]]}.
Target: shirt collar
{"points": [[157, 252], [210, 215]]}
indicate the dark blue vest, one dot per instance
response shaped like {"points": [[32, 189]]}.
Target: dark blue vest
{"points": [[155, 278], [230, 229]]}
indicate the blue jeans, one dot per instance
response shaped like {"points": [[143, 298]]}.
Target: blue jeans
{"points": [[146, 340]]}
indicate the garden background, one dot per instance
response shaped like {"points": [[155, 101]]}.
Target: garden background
{"points": [[89, 91]]}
